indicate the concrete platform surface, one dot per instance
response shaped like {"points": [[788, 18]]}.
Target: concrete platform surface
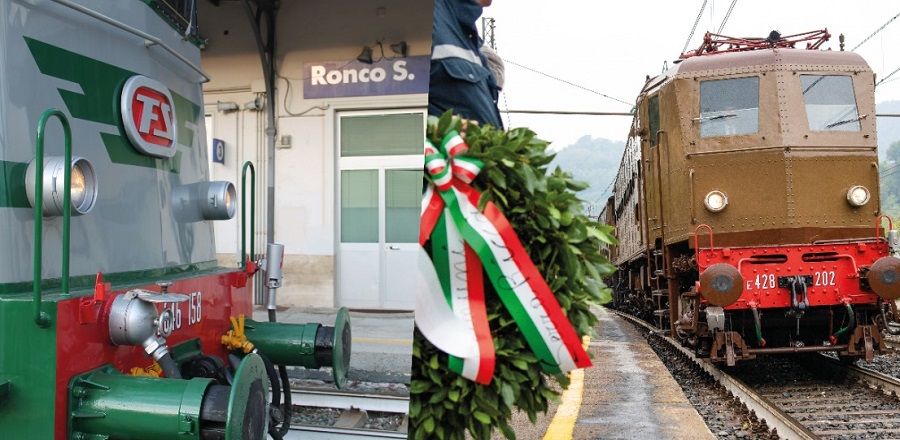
{"points": [[629, 393], [381, 342]]}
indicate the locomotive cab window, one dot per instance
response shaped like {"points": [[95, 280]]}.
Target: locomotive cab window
{"points": [[729, 107], [653, 113], [830, 103]]}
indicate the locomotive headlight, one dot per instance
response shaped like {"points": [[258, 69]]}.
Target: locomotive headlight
{"points": [[858, 195], [715, 201], [219, 203], [84, 185]]}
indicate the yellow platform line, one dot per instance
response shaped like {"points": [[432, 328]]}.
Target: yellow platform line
{"points": [[563, 424]]}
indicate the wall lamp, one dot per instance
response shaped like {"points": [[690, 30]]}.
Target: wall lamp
{"points": [[401, 49]]}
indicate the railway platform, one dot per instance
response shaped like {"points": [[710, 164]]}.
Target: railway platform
{"points": [[627, 394]]}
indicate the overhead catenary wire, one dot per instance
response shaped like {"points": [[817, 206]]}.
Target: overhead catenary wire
{"points": [[727, 16], [874, 33], [564, 81], [886, 77], [694, 28], [889, 170]]}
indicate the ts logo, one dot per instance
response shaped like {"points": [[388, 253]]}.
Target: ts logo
{"points": [[148, 116]]}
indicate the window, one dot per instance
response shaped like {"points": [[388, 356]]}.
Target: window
{"points": [[830, 103], [359, 206], [653, 109], [729, 107], [382, 135]]}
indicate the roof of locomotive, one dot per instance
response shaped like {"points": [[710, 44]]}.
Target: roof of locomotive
{"points": [[732, 60], [803, 59]]}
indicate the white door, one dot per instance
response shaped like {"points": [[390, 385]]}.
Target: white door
{"points": [[379, 194]]}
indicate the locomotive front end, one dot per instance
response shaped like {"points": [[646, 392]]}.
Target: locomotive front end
{"points": [[747, 203], [117, 320], [787, 239]]}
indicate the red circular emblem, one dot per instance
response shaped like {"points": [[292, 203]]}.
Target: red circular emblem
{"points": [[148, 115]]}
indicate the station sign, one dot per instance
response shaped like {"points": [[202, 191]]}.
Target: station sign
{"points": [[338, 79], [148, 116], [218, 151]]}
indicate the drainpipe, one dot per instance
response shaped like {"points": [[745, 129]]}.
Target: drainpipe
{"points": [[267, 59]]}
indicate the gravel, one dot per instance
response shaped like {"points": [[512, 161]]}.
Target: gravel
{"points": [[888, 363], [726, 416], [304, 415]]}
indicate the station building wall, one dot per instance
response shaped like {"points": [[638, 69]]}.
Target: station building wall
{"points": [[306, 152]]}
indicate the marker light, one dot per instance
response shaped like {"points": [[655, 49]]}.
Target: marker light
{"points": [[715, 201], [857, 195], [84, 185]]}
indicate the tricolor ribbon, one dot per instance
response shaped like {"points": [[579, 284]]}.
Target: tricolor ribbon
{"points": [[467, 243]]}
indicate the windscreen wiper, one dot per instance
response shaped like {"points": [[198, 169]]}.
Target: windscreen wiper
{"points": [[713, 118], [846, 121]]}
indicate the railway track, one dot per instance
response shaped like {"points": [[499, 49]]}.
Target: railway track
{"points": [[356, 415], [815, 397]]}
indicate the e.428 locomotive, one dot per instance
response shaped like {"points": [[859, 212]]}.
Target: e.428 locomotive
{"points": [[747, 202]]}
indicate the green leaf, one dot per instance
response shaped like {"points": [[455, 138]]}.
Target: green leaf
{"points": [[482, 417], [529, 177], [419, 387], [509, 396]]}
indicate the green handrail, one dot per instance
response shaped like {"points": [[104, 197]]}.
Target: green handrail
{"points": [[248, 165], [43, 319]]}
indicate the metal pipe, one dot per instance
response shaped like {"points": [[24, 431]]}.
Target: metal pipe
{"points": [[849, 326], [804, 349], [758, 325], [134, 31], [40, 318], [884, 319], [267, 59], [248, 165]]}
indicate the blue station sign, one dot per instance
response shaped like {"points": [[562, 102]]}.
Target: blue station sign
{"points": [[338, 79], [218, 151]]}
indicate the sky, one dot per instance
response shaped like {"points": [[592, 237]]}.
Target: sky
{"points": [[611, 46]]}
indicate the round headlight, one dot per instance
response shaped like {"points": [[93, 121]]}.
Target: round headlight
{"points": [[219, 204], [84, 185], [858, 195], [715, 201]]}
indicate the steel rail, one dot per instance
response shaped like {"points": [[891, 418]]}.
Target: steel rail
{"points": [[887, 384], [350, 400], [149, 40], [784, 425], [304, 432]]}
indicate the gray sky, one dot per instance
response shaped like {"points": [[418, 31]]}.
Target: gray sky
{"points": [[611, 46]]}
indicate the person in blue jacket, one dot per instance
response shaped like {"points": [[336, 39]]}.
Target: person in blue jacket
{"points": [[460, 78]]}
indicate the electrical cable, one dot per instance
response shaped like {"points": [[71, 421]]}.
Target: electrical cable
{"points": [[531, 69], [694, 28], [727, 15], [884, 172], [888, 76], [876, 31], [288, 410]]}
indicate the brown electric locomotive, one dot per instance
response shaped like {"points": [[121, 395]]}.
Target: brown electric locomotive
{"points": [[747, 204]]}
